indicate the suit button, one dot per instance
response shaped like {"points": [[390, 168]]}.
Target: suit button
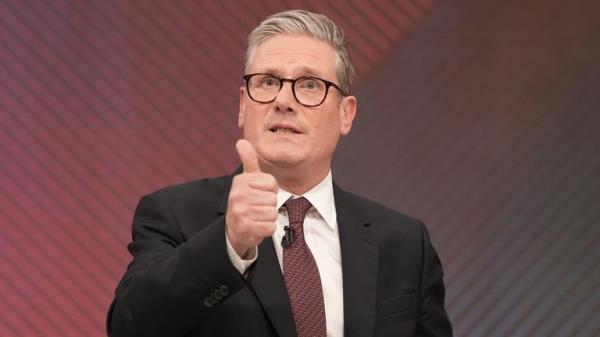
{"points": [[224, 290], [209, 302], [218, 294]]}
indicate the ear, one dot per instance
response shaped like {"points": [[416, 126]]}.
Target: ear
{"points": [[347, 114], [242, 107]]}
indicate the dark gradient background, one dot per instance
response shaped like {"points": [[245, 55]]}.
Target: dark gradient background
{"points": [[479, 117]]}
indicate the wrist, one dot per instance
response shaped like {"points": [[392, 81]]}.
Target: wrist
{"points": [[240, 248]]}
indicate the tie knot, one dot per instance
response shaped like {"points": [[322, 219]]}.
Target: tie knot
{"points": [[296, 209]]}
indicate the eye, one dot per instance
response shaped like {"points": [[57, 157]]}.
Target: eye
{"points": [[270, 81], [310, 84]]}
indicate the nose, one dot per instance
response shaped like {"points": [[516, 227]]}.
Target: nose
{"points": [[285, 98]]}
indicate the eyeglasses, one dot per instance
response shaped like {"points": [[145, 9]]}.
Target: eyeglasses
{"points": [[308, 91]]}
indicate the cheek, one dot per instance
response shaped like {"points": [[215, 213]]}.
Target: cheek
{"points": [[327, 131], [253, 119]]}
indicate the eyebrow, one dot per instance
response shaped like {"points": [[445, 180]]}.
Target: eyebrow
{"points": [[305, 71]]}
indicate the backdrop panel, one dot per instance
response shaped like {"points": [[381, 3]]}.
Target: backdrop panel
{"points": [[479, 117]]}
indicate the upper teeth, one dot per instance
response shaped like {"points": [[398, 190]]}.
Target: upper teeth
{"points": [[281, 130]]}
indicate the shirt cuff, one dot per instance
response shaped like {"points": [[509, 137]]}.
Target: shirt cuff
{"points": [[241, 263]]}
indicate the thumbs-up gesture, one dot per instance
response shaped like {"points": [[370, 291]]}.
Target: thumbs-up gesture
{"points": [[251, 208]]}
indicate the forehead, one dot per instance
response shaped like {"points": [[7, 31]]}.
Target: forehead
{"points": [[294, 55]]}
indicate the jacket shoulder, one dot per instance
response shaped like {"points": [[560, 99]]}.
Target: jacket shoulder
{"points": [[193, 201], [374, 210], [199, 189]]}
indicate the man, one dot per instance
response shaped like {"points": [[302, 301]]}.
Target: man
{"points": [[278, 249]]}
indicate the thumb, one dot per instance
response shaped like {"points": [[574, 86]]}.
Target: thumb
{"points": [[247, 156]]}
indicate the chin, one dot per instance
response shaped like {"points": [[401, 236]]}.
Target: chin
{"points": [[285, 158]]}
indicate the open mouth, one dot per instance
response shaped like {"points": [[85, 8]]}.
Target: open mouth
{"points": [[280, 130]]}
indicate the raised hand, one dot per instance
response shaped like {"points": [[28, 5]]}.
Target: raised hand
{"points": [[251, 208]]}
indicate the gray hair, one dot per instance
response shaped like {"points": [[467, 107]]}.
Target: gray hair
{"points": [[317, 26]]}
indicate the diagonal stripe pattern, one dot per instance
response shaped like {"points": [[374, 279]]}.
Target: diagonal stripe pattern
{"points": [[104, 101], [482, 122]]}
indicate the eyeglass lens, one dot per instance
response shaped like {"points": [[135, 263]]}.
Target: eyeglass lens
{"points": [[264, 88]]}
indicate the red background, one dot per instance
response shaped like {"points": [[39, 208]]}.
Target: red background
{"points": [[480, 117]]}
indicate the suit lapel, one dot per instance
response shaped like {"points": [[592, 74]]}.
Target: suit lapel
{"points": [[267, 281], [268, 284], [359, 266], [359, 271]]}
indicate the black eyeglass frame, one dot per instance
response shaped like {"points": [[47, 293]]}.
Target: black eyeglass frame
{"points": [[293, 81]]}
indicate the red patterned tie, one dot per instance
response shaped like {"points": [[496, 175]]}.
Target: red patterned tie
{"points": [[302, 276]]}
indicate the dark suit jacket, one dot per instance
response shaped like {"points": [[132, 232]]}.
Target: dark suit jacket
{"points": [[182, 283]]}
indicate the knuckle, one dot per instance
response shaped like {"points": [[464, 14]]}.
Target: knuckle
{"points": [[270, 228], [233, 209], [271, 180], [235, 195]]}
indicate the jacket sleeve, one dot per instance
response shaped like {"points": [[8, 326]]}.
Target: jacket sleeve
{"points": [[433, 319], [171, 282]]}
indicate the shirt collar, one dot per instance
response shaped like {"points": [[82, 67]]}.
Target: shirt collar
{"points": [[320, 197]]}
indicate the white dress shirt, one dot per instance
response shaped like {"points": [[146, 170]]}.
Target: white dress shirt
{"points": [[322, 237]]}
